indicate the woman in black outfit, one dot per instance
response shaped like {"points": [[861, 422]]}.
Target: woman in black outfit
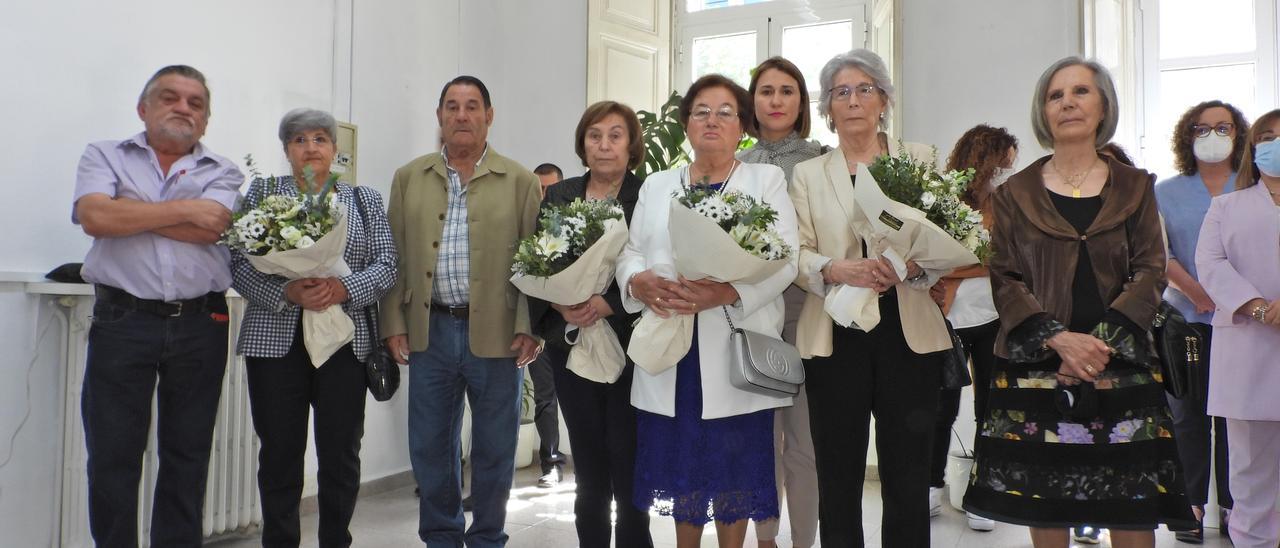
{"points": [[599, 416]]}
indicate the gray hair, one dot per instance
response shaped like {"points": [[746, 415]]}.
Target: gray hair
{"points": [[299, 120], [1101, 80], [181, 70], [864, 60]]}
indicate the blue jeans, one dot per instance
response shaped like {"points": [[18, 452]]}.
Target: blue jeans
{"points": [[128, 351], [438, 379]]}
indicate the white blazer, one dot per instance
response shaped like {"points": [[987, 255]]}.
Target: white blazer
{"points": [[759, 308]]}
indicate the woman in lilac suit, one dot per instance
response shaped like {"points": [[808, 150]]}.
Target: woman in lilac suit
{"points": [[1238, 258]]}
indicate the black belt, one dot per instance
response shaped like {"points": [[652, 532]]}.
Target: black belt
{"points": [[459, 312], [213, 301]]}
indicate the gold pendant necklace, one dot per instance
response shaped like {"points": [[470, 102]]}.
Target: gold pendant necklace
{"points": [[1074, 181]]}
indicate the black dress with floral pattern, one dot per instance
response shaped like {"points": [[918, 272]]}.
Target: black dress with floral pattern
{"points": [[1105, 454]]}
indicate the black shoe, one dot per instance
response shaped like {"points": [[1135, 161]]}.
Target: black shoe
{"points": [[468, 504], [1086, 534]]}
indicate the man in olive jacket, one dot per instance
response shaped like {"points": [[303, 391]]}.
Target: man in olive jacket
{"points": [[454, 317]]}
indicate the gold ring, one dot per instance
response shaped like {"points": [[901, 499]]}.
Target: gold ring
{"points": [[1089, 369]]}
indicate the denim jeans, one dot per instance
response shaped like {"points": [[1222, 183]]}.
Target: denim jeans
{"points": [[438, 380], [128, 351]]}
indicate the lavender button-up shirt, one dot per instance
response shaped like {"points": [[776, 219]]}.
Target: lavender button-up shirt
{"points": [[148, 265]]}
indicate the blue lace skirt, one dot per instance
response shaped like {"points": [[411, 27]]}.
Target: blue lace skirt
{"points": [[698, 470]]}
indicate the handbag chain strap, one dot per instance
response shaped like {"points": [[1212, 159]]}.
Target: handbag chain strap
{"points": [[725, 309]]}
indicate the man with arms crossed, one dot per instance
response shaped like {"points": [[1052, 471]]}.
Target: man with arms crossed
{"points": [[156, 204]]}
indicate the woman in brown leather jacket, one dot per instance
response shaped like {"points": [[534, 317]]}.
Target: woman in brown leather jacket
{"points": [[1077, 429]]}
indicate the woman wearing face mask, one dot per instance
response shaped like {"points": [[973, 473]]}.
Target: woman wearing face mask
{"points": [[782, 125], [1208, 143], [1236, 258], [965, 297]]}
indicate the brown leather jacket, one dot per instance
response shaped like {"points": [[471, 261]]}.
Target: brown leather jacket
{"points": [[1035, 250]]}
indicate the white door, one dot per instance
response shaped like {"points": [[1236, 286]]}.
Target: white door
{"points": [[629, 52]]}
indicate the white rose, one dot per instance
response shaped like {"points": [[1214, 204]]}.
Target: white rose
{"points": [[928, 199], [305, 242], [291, 234]]}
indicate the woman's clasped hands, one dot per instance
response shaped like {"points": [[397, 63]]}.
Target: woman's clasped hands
{"points": [[680, 296]]}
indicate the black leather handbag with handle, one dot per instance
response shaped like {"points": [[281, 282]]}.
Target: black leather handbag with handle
{"points": [[381, 371]]}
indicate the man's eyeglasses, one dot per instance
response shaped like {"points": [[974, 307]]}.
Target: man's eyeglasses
{"points": [[843, 93], [1201, 130], [703, 114]]}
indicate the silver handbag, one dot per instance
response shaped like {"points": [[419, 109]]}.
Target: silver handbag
{"points": [[763, 364]]}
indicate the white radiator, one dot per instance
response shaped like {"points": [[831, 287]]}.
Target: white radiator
{"points": [[231, 497]]}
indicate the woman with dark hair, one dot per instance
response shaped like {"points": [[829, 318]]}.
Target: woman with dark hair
{"points": [[965, 297], [705, 448], [1077, 427], [1208, 143], [1237, 258], [782, 125], [599, 416]]}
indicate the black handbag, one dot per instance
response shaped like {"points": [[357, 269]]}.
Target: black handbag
{"points": [[955, 363], [381, 371], [1178, 344]]}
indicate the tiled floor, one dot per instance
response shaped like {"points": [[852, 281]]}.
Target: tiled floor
{"points": [[543, 518]]}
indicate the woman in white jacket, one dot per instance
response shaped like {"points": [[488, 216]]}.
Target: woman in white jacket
{"points": [[705, 449]]}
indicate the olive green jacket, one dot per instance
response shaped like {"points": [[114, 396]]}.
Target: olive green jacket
{"points": [[502, 206]]}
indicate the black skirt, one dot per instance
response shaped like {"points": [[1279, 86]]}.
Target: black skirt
{"points": [[1117, 469]]}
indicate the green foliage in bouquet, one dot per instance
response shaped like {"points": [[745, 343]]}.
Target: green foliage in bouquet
{"points": [[566, 231], [747, 220], [917, 184], [281, 222]]}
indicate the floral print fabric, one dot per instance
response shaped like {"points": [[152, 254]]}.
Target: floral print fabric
{"points": [[1037, 467]]}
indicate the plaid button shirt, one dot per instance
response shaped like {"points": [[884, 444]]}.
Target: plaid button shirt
{"points": [[453, 263]]}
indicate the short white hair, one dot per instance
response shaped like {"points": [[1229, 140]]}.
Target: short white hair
{"points": [[864, 60]]}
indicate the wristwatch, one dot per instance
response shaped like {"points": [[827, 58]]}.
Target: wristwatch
{"points": [[1260, 312]]}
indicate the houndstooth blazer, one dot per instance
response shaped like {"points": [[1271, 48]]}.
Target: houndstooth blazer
{"points": [[270, 321]]}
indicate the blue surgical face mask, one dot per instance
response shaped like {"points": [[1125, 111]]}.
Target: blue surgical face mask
{"points": [[1267, 157]]}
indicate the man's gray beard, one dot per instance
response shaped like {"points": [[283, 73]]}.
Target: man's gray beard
{"points": [[184, 137]]}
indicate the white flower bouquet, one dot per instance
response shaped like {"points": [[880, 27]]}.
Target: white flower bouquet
{"points": [[725, 236], [301, 236], [907, 211], [569, 259]]}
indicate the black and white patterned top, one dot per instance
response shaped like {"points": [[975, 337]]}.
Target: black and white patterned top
{"points": [[270, 320]]}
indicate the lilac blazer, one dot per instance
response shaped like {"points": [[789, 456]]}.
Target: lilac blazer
{"points": [[1238, 258]]}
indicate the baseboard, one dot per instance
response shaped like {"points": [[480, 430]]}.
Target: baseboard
{"points": [[376, 486]]}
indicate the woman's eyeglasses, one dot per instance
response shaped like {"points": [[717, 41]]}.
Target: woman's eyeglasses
{"points": [[843, 93], [1201, 130], [725, 115]]}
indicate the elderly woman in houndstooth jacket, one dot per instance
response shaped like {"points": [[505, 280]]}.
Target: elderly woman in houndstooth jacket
{"points": [[283, 384]]}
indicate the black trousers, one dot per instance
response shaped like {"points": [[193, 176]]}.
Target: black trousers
{"points": [[979, 344], [546, 413], [867, 374], [1198, 435], [602, 436], [282, 393], [133, 356]]}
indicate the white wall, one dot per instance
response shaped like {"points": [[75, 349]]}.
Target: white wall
{"points": [[534, 62], [966, 63]]}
